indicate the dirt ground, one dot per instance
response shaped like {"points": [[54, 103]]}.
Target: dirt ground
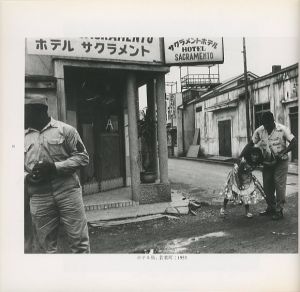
{"points": [[206, 232]]}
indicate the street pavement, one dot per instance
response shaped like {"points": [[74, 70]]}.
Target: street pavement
{"points": [[204, 181], [205, 231]]}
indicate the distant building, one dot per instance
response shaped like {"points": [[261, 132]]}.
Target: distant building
{"points": [[220, 114], [193, 86], [172, 101], [221, 118]]}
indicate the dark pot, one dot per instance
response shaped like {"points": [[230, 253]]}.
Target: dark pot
{"points": [[148, 177]]}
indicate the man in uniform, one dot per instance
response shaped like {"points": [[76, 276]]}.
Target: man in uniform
{"points": [[272, 138], [53, 153]]}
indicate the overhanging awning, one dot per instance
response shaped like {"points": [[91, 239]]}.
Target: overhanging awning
{"points": [[290, 100], [223, 105]]}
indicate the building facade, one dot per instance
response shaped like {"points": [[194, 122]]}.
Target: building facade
{"points": [[99, 97], [193, 86], [221, 113], [172, 101]]}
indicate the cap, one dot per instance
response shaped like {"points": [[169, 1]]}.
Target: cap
{"points": [[36, 99]]}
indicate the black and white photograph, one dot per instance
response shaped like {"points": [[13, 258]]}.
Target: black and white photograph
{"points": [[125, 155], [166, 159]]}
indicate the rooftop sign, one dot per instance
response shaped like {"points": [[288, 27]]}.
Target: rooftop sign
{"points": [[132, 49], [197, 51]]}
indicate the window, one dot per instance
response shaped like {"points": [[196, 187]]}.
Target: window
{"points": [[294, 110], [259, 110], [199, 109]]}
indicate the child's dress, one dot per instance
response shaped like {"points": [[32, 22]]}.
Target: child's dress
{"points": [[242, 186]]}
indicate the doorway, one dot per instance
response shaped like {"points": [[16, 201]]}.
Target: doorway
{"points": [[95, 106], [224, 128]]}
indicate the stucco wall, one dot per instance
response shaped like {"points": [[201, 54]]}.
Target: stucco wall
{"points": [[207, 120], [209, 133]]}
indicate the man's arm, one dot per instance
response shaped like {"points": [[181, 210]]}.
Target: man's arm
{"points": [[292, 146], [78, 154], [291, 139]]}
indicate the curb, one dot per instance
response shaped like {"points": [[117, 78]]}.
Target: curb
{"points": [[206, 160]]}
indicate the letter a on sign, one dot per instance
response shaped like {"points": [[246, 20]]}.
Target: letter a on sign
{"points": [[109, 126]]}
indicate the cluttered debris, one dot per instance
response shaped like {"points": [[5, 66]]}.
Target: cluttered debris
{"points": [[183, 204], [194, 206]]}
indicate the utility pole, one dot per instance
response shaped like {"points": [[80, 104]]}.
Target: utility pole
{"points": [[182, 114], [246, 91]]}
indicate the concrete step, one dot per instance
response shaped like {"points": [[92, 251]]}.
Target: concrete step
{"points": [[109, 205], [117, 198]]}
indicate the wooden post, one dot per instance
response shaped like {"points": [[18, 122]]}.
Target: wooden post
{"points": [[61, 100], [151, 108], [60, 89], [133, 135], [161, 128]]}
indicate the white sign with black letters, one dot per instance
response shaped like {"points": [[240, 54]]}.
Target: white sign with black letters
{"points": [[197, 50], [136, 49]]}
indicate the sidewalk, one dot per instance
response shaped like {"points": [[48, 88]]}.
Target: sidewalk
{"points": [[112, 210], [293, 167]]}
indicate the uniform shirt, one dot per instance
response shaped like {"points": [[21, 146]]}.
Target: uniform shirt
{"points": [[61, 144], [274, 143]]}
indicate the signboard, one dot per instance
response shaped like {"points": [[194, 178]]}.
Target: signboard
{"points": [[196, 51], [172, 106], [136, 49]]}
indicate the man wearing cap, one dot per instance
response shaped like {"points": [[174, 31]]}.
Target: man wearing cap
{"points": [[53, 153], [271, 137]]}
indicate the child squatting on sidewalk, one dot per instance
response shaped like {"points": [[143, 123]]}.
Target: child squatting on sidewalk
{"points": [[242, 187]]}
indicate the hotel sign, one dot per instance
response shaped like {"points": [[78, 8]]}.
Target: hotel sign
{"points": [[148, 50], [133, 49], [193, 51]]}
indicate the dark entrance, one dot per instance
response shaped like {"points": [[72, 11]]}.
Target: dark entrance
{"points": [[225, 138], [95, 105], [294, 129]]}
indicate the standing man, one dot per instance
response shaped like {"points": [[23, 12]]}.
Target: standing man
{"points": [[53, 153], [271, 137]]}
